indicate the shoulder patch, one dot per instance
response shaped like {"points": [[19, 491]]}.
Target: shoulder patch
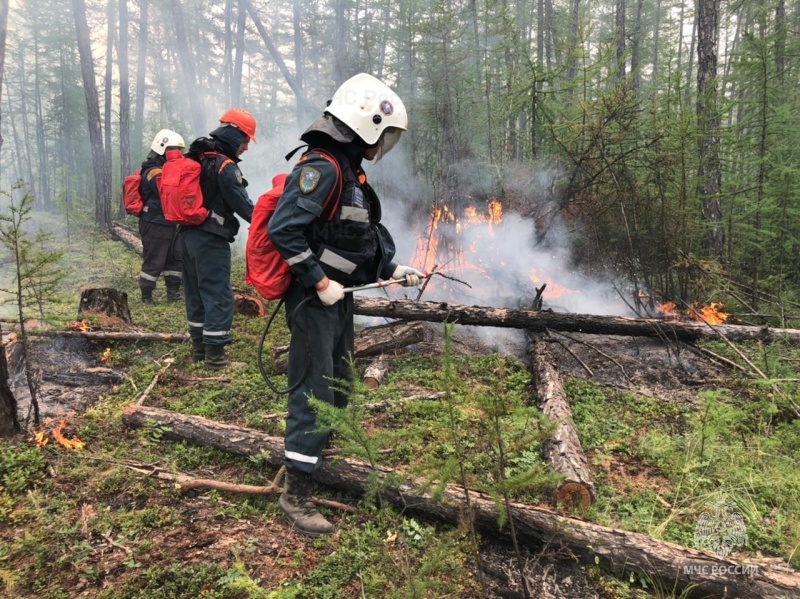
{"points": [[309, 179]]}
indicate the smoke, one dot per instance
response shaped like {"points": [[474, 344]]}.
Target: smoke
{"points": [[503, 262]]}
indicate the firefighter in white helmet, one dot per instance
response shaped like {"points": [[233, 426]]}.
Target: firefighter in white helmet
{"points": [[158, 236], [327, 228]]}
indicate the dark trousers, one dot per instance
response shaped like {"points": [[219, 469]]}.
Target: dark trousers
{"points": [[207, 285], [322, 338], [161, 257]]}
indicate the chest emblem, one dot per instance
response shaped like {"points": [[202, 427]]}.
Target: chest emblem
{"points": [[309, 179]]}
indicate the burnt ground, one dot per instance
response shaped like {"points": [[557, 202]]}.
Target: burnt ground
{"points": [[72, 378]]}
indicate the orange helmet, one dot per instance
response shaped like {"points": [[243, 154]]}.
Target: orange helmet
{"points": [[241, 119]]}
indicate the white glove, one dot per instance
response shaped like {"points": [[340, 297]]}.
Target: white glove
{"points": [[412, 275], [331, 294]]}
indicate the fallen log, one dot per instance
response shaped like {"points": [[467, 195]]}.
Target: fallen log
{"points": [[563, 448], [370, 341], [539, 322], [129, 238], [673, 566], [376, 372], [115, 335]]}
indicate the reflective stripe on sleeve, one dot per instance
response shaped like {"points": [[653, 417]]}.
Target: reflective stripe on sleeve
{"points": [[148, 277], [299, 258], [172, 273], [196, 325], [299, 457], [336, 261]]}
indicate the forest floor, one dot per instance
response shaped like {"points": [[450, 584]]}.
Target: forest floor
{"points": [[666, 431]]}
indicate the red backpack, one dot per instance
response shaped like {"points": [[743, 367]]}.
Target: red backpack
{"points": [[179, 188], [131, 198], [264, 268]]}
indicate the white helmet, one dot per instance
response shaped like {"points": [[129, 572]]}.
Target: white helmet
{"points": [[164, 139], [369, 107]]}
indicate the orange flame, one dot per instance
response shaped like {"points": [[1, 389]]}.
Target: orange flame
{"points": [[39, 439], [73, 443], [81, 325], [106, 356], [669, 310], [712, 313]]}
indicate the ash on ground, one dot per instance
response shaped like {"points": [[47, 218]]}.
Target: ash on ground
{"points": [[68, 373]]}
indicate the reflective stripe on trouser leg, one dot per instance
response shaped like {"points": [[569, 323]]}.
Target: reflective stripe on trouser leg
{"points": [[329, 331], [157, 252], [207, 284]]}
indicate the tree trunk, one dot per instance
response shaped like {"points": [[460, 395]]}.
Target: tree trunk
{"points": [[134, 336], [41, 144], [124, 96], [539, 322], [619, 35], [236, 83], [141, 72], [102, 182], [563, 449], [780, 41], [191, 88], [623, 553], [636, 46], [574, 16], [3, 33], [109, 84], [709, 170], [371, 341], [297, 20], [9, 424]]}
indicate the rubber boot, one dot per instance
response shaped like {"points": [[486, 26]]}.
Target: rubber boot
{"points": [[215, 357], [147, 296], [173, 293], [198, 350], [296, 504]]}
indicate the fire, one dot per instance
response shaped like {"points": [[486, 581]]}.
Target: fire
{"points": [[39, 439], [669, 310], [72, 443], [81, 325], [553, 289], [106, 356], [712, 313]]}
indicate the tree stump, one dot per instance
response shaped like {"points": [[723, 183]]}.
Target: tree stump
{"points": [[376, 372], [249, 305], [105, 300]]}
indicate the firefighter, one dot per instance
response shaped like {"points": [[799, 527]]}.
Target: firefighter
{"points": [[158, 235], [363, 120], [206, 247]]}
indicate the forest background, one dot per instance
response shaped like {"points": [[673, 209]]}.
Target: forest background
{"points": [[655, 139]]}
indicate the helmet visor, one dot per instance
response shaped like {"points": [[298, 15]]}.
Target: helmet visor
{"points": [[388, 140]]}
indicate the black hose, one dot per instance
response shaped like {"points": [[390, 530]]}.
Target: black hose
{"points": [[259, 355]]}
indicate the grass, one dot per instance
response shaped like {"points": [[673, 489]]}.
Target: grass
{"points": [[84, 523]]}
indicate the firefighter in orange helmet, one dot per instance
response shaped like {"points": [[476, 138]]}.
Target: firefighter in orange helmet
{"points": [[206, 247]]}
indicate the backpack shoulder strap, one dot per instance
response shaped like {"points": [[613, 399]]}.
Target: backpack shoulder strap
{"points": [[215, 155], [331, 203], [154, 172]]}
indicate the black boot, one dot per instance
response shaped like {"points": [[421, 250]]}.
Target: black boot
{"points": [[198, 350], [173, 293], [215, 357], [147, 296], [295, 501]]}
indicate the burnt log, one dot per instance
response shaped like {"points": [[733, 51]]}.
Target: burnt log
{"points": [[248, 305], [371, 341], [563, 448], [9, 423], [540, 322], [105, 300], [675, 567], [375, 372]]}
